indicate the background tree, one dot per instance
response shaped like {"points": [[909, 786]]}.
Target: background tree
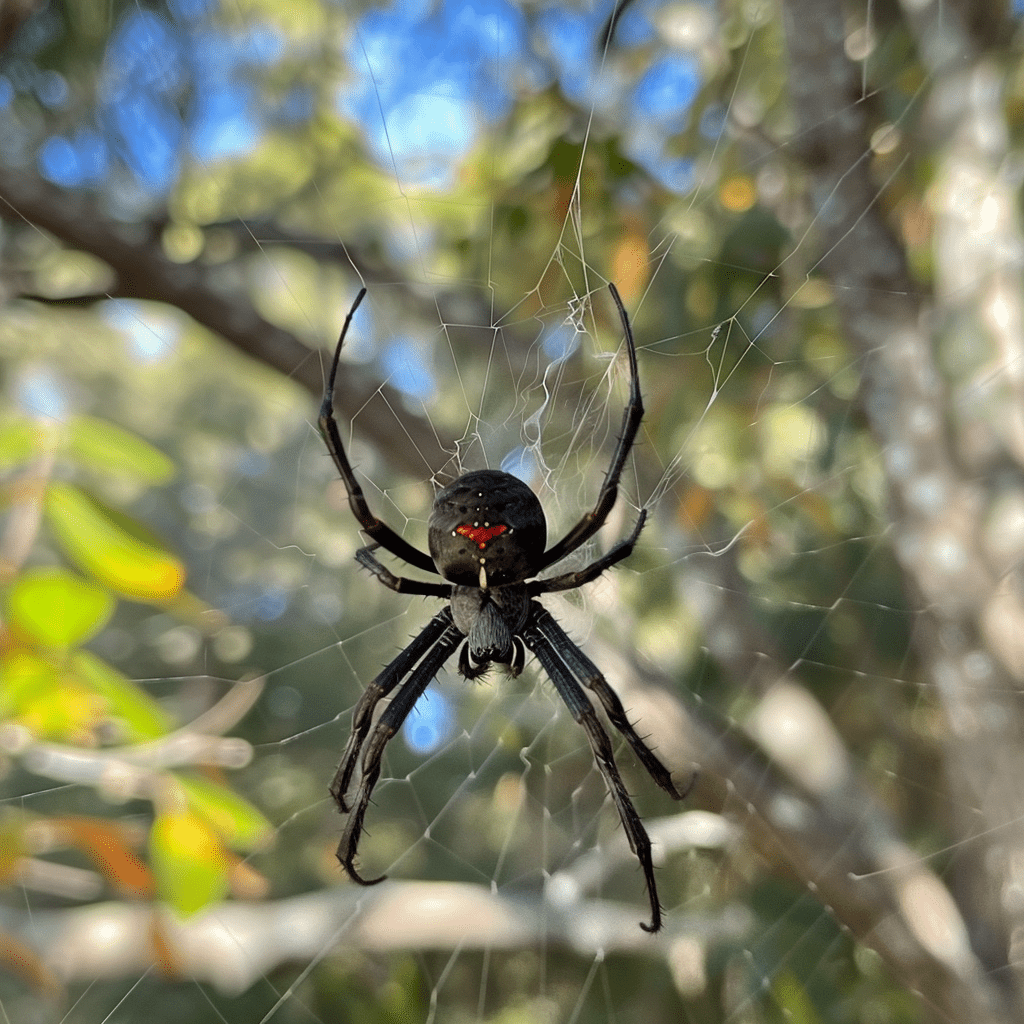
{"points": [[811, 211]]}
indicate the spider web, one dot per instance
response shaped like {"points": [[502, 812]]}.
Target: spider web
{"points": [[766, 633]]}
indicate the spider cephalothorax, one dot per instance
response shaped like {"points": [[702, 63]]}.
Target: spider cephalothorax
{"points": [[487, 537], [491, 621]]}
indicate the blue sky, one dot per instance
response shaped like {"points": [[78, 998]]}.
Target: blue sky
{"points": [[424, 80]]}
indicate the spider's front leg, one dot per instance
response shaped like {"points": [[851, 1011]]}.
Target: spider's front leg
{"points": [[632, 416], [593, 679], [431, 649], [560, 662], [382, 685]]}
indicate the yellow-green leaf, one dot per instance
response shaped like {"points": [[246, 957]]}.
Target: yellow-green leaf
{"points": [[145, 718], [40, 694], [14, 843], [189, 862], [104, 446], [23, 676], [61, 696], [792, 998], [235, 819], [57, 608], [20, 440], [103, 546]]}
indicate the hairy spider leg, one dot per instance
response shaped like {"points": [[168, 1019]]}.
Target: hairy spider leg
{"points": [[631, 417], [388, 678], [593, 679], [376, 528], [387, 725], [589, 573], [583, 712], [399, 584]]}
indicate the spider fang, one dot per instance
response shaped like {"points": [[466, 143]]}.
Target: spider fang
{"points": [[480, 535]]}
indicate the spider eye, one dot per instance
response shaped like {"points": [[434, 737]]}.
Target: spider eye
{"points": [[490, 521]]}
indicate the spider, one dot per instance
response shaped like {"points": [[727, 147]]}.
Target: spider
{"points": [[487, 538]]}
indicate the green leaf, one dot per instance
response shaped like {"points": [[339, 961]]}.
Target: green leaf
{"points": [[145, 718], [57, 608], [49, 701], [235, 819], [23, 676], [20, 440], [111, 449], [793, 999], [188, 861], [100, 543], [63, 696]]}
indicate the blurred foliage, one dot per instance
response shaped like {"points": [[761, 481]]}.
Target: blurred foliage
{"points": [[51, 688], [138, 451]]}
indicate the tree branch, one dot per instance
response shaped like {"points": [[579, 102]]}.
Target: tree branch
{"points": [[143, 272], [938, 510]]}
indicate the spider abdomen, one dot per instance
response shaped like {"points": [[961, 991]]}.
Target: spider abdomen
{"points": [[487, 529]]}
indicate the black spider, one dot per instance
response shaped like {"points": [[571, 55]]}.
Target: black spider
{"points": [[487, 536]]}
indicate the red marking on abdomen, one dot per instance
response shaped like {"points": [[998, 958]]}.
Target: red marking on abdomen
{"points": [[480, 535]]}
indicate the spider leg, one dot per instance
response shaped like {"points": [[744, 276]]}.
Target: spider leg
{"points": [[376, 528], [583, 712], [592, 678], [365, 557], [572, 580], [440, 647], [389, 677], [631, 417]]}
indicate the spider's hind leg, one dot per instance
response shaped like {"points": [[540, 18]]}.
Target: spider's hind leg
{"points": [[366, 558]]}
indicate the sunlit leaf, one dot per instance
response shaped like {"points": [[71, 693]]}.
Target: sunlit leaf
{"points": [[20, 440], [102, 545], [792, 998], [112, 449], [143, 716], [23, 675], [235, 819], [57, 608], [57, 708], [39, 693], [189, 862], [13, 843]]}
